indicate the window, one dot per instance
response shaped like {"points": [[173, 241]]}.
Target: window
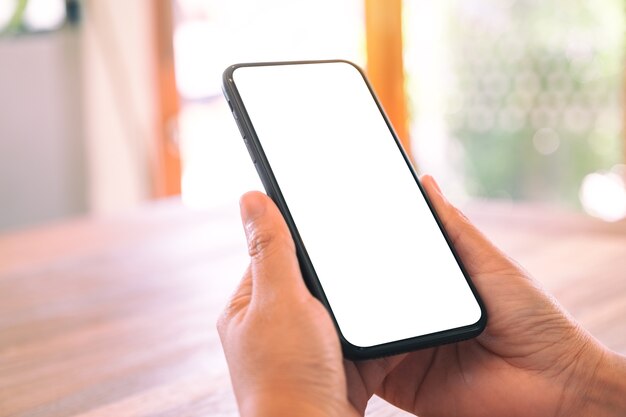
{"points": [[516, 99], [521, 99], [209, 35], [20, 16]]}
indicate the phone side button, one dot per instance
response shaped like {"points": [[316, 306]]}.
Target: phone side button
{"points": [[258, 170], [249, 148], [238, 123]]}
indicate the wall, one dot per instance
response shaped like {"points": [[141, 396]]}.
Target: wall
{"points": [[119, 92], [78, 116], [42, 171]]}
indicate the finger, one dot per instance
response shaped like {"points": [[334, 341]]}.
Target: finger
{"points": [[402, 384], [273, 261], [365, 377], [476, 251], [237, 303]]}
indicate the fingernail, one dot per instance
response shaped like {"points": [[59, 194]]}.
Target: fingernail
{"points": [[431, 179], [252, 207], [436, 185]]}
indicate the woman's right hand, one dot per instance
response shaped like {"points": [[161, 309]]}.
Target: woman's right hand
{"points": [[533, 359]]}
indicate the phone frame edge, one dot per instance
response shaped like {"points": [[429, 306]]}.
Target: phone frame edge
{"points": [[310, 276]]}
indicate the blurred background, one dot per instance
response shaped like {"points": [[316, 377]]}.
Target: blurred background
{"points": [[106, 105]]}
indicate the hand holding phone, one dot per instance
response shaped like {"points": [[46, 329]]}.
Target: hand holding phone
{"points": [[328, 157], [284, 357]]}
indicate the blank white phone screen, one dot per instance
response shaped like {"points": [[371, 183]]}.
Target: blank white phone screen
{"points": [[382, 261]]}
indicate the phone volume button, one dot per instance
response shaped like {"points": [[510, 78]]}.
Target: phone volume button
{"points": [[249, 148], [243, 134]]}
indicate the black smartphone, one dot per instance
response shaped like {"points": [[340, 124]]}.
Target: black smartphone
{"points": [[370, 246]]}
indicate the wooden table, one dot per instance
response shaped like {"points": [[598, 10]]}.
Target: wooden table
{"points": [[115, 316]]}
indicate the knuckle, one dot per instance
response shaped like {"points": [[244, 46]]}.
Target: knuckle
{"points": [[259, 241], [230, 313], [462, 218], [237, 303], [263, 242]]}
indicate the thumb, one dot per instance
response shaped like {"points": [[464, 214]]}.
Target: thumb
{"points": [[273, 262], [479, 255]]}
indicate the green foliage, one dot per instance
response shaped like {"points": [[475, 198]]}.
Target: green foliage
{"points": [[529, 65], [15, 25]]}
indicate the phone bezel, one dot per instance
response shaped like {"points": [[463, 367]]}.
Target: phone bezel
{"points": [[308, 271]]}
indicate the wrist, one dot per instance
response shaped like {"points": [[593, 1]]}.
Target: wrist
{"points": [[279, 403], [606, 392], [278, 406]]}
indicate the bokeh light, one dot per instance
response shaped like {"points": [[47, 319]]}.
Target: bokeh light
{"points": [[546, 141], [603, 195], [44, 14], [541, 90]]}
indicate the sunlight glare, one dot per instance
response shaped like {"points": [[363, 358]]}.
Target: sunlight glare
{"points": [[603, 195]]}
